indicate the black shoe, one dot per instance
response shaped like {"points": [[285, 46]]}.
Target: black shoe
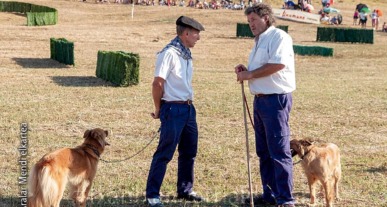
{"points": [[190, 197], [259, 200]]}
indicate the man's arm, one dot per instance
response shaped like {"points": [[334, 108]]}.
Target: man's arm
{"points": [[263, 71], [157, 93]]}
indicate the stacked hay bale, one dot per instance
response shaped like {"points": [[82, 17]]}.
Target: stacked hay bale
{"points": [[313, 50], [333, 34], [36, 15], [62, 51], [118, 67], [243, 30]]}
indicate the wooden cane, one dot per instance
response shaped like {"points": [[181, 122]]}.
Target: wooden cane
{"points": [[247, 145]]}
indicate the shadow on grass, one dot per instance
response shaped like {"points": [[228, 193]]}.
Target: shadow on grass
{"points": [[380, 169], [9, 201], [39, 63], [80, 81], [232, 200]]}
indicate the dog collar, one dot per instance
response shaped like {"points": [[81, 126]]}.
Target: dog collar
{"points": [[305, 155], [302, 158], [96, 152]]}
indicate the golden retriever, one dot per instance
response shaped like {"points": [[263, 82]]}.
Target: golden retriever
{"points": [[74, 166], [320, 163]]}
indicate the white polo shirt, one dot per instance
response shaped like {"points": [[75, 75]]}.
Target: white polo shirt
{"points": [[274, 46], [177, 73]]}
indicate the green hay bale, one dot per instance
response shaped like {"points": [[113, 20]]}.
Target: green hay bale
{"points": [[70, 54], [52, 48], [111, 66], [313, 50], [118, 67], [62, 51], [98, 71], [131, 65], [36, 15], [243, 30], [283, 27], [332, 34]]}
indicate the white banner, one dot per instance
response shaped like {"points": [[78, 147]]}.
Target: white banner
{"points": [[296, 15]]}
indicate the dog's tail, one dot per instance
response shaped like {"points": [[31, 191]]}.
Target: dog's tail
{"points": [[43, 190]]}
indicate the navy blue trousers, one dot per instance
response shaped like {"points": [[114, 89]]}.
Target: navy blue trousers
{"points": [[178, 130], [272, 141]]}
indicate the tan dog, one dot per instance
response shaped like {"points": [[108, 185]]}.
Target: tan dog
{"points": [[320, 163], [74, 166]]}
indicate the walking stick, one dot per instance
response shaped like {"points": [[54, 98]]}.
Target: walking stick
{"points": [[247, 145]]}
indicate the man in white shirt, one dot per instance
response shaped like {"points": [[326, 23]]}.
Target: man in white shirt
{"points": [[271, 77], [172, 96]]}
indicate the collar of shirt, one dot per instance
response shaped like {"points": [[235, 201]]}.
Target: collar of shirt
{"points": [[256, 39], [183, 51]]}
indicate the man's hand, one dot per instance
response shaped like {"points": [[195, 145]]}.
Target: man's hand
{"points": [[156, 114], [240, 68], [241, 72], [157, 94]]}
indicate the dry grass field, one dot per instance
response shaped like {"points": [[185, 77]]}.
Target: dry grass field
{"points": [[340, 99]]}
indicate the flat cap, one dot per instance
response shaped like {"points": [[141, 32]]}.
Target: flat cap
{"points": [[189, 22]]}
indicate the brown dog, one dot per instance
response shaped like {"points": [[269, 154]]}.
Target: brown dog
{"points": [[74, 166], [320, 163]]}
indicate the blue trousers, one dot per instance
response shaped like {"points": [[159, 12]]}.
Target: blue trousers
{"points": [[272, 141], [178, 130]]}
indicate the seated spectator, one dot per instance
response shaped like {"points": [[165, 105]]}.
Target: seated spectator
{"points": [[237, 7], [205, 5], [191, 3], [334, 20], [290, 5], [199, 5], [325, 19], [384, 28]]}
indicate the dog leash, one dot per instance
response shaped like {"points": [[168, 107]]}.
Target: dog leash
{"points": [[295, 163], [135, 154]]}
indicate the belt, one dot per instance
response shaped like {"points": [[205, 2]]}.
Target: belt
{"points": [[261, 94], [188, 102]]}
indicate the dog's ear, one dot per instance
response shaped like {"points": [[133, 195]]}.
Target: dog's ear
{"points": [[100, 135], [86, 134], [297, 147], [106, 143], [305, 143]]}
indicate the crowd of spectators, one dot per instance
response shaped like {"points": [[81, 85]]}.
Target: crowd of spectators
{"points": [[200, 4]]}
